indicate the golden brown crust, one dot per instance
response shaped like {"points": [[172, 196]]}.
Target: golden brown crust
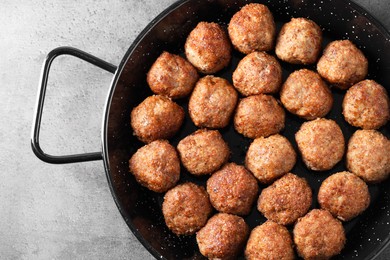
{"points": [[223, 237], [344, 195], [257, 73], [232, 189], [269, 241], [321, 143], [208, 47], [269, 158], [156, 166], [212, 102], [172, 76], [252, 29], [285, 200], [259, 115], [366, 105], [368, 155], [318, 235], [186, 208], [342, 64], [157, 117], [299, 41], [203, 152], [305, 94]]}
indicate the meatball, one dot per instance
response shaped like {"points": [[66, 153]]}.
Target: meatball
{"points": [[208, 47], [318, 235], [252, 29], [287, 199], [257, 73], [157, 117], [156, 166], [299, 41], [259, 115], [269, 241], [366, 105], [172, 76], [342, 64], [223, 237], [270, 157], [232, 189], [186, 208], [212, 102], [321, 144], [203, 152], [368, 155], [306, 95], [344, 195]]}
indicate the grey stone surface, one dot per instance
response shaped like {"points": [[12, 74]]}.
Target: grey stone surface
{"points": [[66, 211]]}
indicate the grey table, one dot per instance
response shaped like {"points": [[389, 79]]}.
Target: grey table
{"points": [[66, 211]]}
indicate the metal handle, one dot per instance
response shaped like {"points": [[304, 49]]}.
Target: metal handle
{"points": [[41, 98]]}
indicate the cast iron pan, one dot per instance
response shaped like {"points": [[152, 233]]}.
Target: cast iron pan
{"points": [[367, 235]]}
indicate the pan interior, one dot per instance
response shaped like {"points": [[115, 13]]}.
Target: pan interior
{"points": [[141, 208]]}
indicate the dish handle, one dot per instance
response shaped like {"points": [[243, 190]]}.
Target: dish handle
{"points": [[72, 158]]}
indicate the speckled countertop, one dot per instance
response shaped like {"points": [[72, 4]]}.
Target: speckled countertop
{"points": [[67, 211]]}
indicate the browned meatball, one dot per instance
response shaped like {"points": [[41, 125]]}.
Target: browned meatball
{"points": [[172, 76], [259, 115], [344, 195], [257, 73], [318, 235], [232, 189], [208, 47], [305, 94], [269, 158], [299, 41], [203, 152], [252, 29], [269, 241], [212, 102], [223, 237], [321, 144], [366, 105], [186, 208], [156, 166], [368, 155], [285, 200], [342, 64], [157, 117]]}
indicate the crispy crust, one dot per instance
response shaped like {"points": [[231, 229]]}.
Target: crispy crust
{"points": [[157, 117], [156, 166], [212, 102], [257, 73], [269, 158], [342, 64], [321, 144], [366, 105], [203, 152], [299, 41], [232, 189], [186, 208], [286, 199], [172, 76], [344, 195], [252, 29], [208, 47], [269, 241], [259, 115], [305, 94], [318, 235], [223, 237], [368, 155]]}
